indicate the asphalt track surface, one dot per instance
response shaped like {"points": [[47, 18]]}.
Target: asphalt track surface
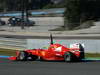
{"points": [[8, 67]]}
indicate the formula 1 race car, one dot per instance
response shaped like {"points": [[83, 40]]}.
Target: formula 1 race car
{"points": [[54, 52]]}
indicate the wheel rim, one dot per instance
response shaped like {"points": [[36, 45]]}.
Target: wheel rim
{"points": [[67, 57], [21, 56]]}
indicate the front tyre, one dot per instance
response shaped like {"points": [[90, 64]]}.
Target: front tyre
{"points": [[22, 56]]}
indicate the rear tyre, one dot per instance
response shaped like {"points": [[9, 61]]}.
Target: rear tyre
{"points": [[68, 57], [22, 56]]}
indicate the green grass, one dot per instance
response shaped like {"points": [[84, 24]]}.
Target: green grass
{"points": [[8, 52], [93, 55]]}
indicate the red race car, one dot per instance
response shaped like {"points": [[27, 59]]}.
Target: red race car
{"points": [[54, 52]]}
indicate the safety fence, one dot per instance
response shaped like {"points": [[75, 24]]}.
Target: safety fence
{"points": [[12, 43], [90, 45]]}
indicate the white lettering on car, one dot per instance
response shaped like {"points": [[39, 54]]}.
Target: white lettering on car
{"points": [[58, 49]]}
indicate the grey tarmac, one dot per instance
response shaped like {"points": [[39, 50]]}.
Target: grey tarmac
{"points": [[8, 67]]}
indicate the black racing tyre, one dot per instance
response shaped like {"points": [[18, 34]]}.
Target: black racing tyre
{"points": [[68, 57], [22, 56]]}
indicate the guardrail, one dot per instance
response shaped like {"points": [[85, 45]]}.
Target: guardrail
{"points": [[91, 45], [12, 43]]}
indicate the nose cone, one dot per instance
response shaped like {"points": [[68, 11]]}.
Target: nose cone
{"points": [[12, 58]]}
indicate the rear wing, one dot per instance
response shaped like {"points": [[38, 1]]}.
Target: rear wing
{"points": [[77, 46]]}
